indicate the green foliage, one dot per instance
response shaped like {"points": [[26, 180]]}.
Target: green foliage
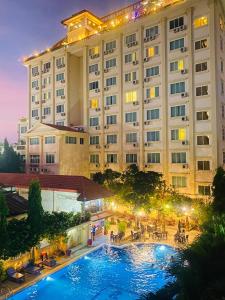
{"points": [[4, 238], [134, 187], [3, 275], [10, 161], [122, 227], [35, 211], [219, 191]]}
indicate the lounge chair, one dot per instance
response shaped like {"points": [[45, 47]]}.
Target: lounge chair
{"points": [[34, 270], [15, 276], [49, 263]]}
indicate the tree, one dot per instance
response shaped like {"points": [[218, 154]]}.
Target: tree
{"points": [[10, 161], [35, 211], [4, 238], [219, 191]]}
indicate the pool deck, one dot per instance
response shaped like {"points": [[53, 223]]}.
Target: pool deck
{"points": [[8, 288]]}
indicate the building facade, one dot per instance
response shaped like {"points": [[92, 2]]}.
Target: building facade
{"points": [[147, 82], [20, 146], [57, 150]]}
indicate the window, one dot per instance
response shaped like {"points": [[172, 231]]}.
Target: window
{"points": [[34, 84], [93, 68], [35, 159], [131, 158], [221, 65], [93, 85], [177, 88], [221, 23], [23, 129], [34, 98], [60, 93], [60, 123], [70, 140], [177, 65], [204, 190], [131, 96], [111, 158], [201, 44], [130, 117], [111, 139], [94, 158], [94, 103], [152, 31], [110, 63], [110, 46], [202, 140], [201, 67], [223, 134], [60, 77], [50, 140], [130, 57], [178, 134], [222, 87], [203, 165], [202, 90], [50, 158], [153, 136], [47, 111], [35, 71], [35, 113], [46, 81], [130, 38], [46, 67], [131, 137], [199, 22], [221, 43], [94, 121], [223, 111], [153, 114], [176, 23], [153, 71], [34, 141], [153, 158], [177, 111], [60, 108], [94, 51], [177, 44], [110, 100], [81, 141], [152, 92], [202, 115], [223, 157], [179, 158], [94, 140], [152, 51], [110, 120], [179, 181], [111, 81], [47, 95], [129, 77], [59, 62]]}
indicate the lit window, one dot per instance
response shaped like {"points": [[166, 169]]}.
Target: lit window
{"points": [[177, 65], [203, 21], [94, 103], [152, 92], [94, 51], [178, 134], [152, 51], [131, 96]]}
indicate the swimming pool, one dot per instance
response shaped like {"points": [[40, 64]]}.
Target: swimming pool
{"points": [[108, 273]]}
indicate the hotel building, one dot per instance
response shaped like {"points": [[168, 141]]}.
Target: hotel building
{"points": [[147, 84]]}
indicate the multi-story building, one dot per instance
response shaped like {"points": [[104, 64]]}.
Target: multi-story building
{"points": [[147, 82], [20, 146], [54, 149]]}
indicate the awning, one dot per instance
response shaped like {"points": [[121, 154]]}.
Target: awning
{"points": [[101, 216]]}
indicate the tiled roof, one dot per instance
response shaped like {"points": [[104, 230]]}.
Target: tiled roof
{"points": [[63, 128], [88, 189], [17, 205]]}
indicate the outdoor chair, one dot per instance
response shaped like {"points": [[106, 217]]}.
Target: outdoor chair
{"points": [[15, 276], [31, 269]]}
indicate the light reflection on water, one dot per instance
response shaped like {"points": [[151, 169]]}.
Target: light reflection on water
{"points": [[107, 273]]}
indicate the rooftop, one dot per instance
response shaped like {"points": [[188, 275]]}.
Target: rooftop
{"points": [[88, 189], [17, 205], [109, 22]]}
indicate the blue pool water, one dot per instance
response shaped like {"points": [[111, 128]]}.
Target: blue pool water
{"points": [[108, 273]]}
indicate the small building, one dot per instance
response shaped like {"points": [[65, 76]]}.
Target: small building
{"points": [[57, 150], [60, 192]]}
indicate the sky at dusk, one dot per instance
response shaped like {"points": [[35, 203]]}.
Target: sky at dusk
{"points": [[26, 26]]}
